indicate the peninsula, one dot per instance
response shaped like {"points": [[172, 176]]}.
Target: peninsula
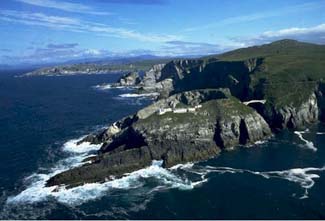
{"points": [[210, 105]]}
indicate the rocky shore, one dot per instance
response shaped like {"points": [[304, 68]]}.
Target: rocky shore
{"points": [[204, 109]]}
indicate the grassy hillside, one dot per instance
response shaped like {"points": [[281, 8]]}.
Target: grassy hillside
{"points": [[289, 70]]}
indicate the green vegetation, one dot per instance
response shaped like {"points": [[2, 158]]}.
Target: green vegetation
{"points": [[93, 68], [289, 70], [181, 105], [211, 110]]}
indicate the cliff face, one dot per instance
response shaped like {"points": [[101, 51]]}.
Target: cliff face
{"points": [[184, 75], [320, 94], [129, 79], [290, 116]]}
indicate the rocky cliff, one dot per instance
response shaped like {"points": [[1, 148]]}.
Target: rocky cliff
{"points": [[128, 79], [194, 127]]}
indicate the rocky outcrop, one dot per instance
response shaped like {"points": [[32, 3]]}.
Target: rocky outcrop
{"points": [[152, 76], [129, 79], [242, 130], [320, 94], [152, 82], [172, 137], [291, 116]]}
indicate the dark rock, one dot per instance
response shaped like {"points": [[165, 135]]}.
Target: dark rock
{"points": [[129, 79], [109, 166], [292, 116]]}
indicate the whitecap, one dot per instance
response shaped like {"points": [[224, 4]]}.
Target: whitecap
{"points": [[308, 144], [37, 191], [112, 86], [103, 86], [139, 95], [182, 166], [84, 147], [260, 142]]}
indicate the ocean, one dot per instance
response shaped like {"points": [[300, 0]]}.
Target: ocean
{"points": [[42, 118]]}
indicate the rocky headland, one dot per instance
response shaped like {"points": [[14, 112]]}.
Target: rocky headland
{"points": [[210, 105], [76, 69], [129, 79]]}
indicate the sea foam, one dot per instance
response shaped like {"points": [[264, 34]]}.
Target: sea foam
{"points": [[110, 86], [308, 144], [128, 95], [302, 176], [182, 177], [84, 147], [37, 191], [103, 87]]}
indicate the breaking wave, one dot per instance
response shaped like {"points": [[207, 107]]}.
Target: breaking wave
{"points": [[103, 86], [37, 191], [139, 95], [111, 86], [153, 178], [84, 147]]}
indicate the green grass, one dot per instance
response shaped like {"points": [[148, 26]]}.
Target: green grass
{"points": [[210, 110], [290, 69]]}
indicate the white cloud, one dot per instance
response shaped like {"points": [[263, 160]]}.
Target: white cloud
{"points": [[314, 34], [76, 25], [39, 17], [65, 6], [295, 31], [186, 48], [257, 16]]}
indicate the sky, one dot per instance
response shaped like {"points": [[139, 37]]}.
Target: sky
{"points": [[49, 31]]}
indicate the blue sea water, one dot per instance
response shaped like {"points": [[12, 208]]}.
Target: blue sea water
{"points": [[41, 118]]}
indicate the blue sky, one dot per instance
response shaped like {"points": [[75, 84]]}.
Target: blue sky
{"points": [[45, 31]]}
